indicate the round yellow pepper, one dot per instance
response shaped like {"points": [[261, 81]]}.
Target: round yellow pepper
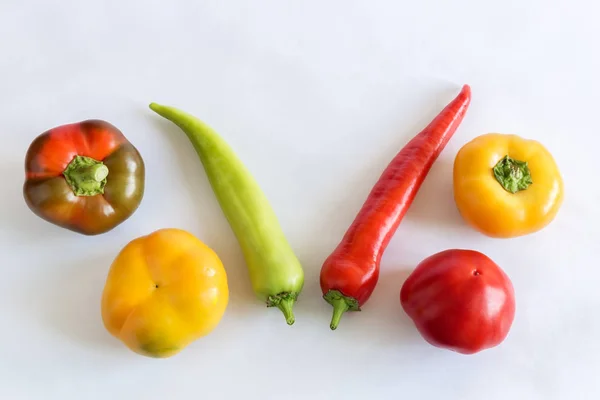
{"points": [[506, 186], [164, 291]]}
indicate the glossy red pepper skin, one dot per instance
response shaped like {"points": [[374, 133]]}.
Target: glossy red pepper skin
{"points": [[350, 273], [460, 300], [50, 159]]}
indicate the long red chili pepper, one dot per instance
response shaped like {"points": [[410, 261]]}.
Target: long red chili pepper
{"points": [[350, 273]]}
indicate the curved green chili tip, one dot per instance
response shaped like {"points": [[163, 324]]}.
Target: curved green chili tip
{"points": [[275, 272]]}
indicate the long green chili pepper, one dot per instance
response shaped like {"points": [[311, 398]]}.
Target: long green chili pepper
{"points": [[276, 274]]}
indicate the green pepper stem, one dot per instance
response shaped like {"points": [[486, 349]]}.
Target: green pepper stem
{"points": [[285, 302], [286, 305], [86, 176], [513, 175], [341, 304], [93, 173]]}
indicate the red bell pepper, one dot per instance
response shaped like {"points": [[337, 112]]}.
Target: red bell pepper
{"points": [[460, 300]]}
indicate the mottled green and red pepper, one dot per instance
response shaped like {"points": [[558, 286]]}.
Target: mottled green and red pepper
{"points": [[85, 177]]}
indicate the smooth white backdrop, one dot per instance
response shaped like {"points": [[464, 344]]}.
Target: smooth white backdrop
{"points": [[316, 97]]}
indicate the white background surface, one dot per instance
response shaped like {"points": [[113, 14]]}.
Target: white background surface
{"points": [[316, 97]]}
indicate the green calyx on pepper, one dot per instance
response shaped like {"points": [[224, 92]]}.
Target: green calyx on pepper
{"points": [[86, 176], [513, 175], [340, 304], [285, 302]]}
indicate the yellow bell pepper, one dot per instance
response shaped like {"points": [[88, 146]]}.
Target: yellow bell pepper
{"points": [[506, 186], [164, 291]]}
